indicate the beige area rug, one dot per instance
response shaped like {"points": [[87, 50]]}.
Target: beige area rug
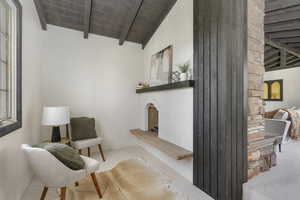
{"points": [[129, 180]]}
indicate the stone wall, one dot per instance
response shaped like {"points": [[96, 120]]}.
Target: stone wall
{"points": [[261, 154]]}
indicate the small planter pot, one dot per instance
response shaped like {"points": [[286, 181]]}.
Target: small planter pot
{"points": [[183, 76]]}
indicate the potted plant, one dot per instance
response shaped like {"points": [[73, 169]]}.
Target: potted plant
{"points": [[184, 68]]}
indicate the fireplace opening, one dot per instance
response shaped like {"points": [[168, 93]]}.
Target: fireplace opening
{"points": [[152, 119]]}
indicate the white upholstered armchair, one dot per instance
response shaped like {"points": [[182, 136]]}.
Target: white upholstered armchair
{"points": [[278, 127], [55, 174]]}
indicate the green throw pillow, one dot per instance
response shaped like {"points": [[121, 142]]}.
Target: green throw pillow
{"points": [[65, 154], [83, 128]]}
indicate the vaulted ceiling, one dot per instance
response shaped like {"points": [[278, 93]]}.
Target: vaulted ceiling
{"points": [[282, 32], [126, 20]]}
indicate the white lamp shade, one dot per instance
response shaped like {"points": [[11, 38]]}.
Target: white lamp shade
{"points": [[56, 116]]}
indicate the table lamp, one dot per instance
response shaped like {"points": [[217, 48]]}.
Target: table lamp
{"points": [[55, 117]]}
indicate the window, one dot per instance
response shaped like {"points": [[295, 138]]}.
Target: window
{"points": [[273, 90], [10, 66]]}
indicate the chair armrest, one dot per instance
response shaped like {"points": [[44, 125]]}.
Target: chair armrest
{"points": [[277, 127]]}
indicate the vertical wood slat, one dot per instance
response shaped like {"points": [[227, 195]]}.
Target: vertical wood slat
{"points": [[87, 17], [220, 93], [198, 95]]}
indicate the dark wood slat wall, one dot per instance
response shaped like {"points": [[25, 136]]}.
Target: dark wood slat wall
{"points": [[220, 97]]}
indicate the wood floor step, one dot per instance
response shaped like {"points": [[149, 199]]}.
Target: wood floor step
{"points": [[164, 146]]}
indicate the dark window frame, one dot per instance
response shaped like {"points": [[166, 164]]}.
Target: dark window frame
{"points": [[269, 83], [18, 124]]}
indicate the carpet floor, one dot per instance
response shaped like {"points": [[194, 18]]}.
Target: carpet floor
{"points": [[129, 180], [282, 181]]}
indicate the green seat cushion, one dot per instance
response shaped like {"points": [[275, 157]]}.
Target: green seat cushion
{"points": [[65, 154], [83, 128]]}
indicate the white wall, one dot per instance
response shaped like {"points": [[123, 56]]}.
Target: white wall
{"points": [[175, 115], [291, 88], [176, 30], [176, 107], [15, 173], [95, 77]]}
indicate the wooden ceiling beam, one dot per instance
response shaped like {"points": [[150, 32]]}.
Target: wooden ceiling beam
{"points": [[268, 48], [133, 13], [294, 45], [288, 40], [271, 53], [41, 13], [268, 69], [282, 47], [293, 61], [87, 17], [155, 27], [271, 60], [283, 57], [282, 17], [274, 64], [272, 6], [283, 26], [284, 34]]}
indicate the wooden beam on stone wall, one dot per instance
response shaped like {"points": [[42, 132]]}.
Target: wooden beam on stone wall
{"points": [[87, 17], [132, 15], [41, 13]]}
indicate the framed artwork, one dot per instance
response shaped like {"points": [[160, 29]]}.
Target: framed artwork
{"points": [[273, 90], [161, 66]]}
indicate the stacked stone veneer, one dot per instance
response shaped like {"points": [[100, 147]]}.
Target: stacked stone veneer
{"points": [[261, 154]]}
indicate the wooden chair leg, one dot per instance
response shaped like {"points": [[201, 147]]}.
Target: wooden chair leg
{"points": [[102, 154], [63, 191], [80, 152], [280, 148], [89, 152], [45, 190], [96, 185]]}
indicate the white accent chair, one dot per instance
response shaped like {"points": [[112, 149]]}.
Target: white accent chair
{"points": [[55, 174], [87, 143], [278, 127]]}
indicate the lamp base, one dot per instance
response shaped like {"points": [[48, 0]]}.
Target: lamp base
{"points": [[55, 134]]}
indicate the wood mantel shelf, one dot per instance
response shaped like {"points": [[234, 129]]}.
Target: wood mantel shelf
{"points": [[171, 86], [164, 146]]}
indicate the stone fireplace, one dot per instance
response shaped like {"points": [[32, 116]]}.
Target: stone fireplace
{"points": [[261, 149]]}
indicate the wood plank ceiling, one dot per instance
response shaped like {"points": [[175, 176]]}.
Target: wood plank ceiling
{"points": [[126, 20], [282, 32]]}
